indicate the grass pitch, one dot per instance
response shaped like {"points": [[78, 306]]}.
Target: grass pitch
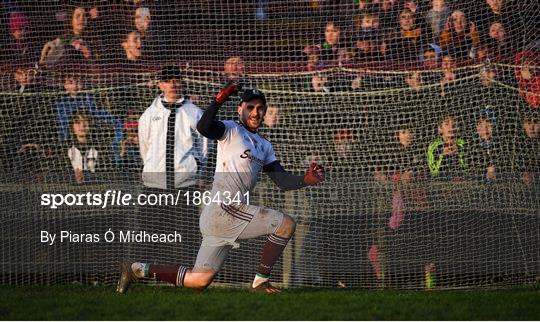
{"points": [[142, 302]]}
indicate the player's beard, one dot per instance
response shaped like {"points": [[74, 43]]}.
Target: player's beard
{"points": [[253, 123]]}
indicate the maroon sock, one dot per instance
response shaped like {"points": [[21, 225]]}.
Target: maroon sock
{"points": [[271, 251], [173, 274]]}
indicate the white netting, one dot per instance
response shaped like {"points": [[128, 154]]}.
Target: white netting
{"points": [[425, 115]]}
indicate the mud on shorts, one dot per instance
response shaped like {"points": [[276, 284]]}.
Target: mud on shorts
{"points": [[222, 225]]}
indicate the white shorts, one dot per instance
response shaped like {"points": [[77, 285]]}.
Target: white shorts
{"points": [[221, 226]]}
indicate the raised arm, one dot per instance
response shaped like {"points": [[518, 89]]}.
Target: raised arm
{"points": [[208, 126], [288, 181]]}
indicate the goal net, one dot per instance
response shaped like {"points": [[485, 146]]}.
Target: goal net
{"points": [[425, 115]]}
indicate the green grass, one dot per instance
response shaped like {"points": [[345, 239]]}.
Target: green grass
{"points": [[166, 303]]}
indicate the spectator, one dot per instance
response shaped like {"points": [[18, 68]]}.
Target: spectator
{"points": [[402, 166], [358, 82], [155, 45], [82, 151], [69, 49], [430, 59], [234, 68], [406, 167], [344, 157], [404, 156], [74, 102], [414, 80], [132, 46], [500, 46], [142, 19], [132, 58], [343, 143], [404, 46], [19, 47], [25, 80], [486, 84], [129, 147], [484, 90], [328, 82], [313, 54], [528, 78], [490, 10], [459, 36], [448, 66], [273, 127], [436, 19], [319, 83], [366, 22], [407, 164], [30, 131], [174, 156], [482, 53], [272, 117], [369, 81], [485, 151], [446, 155], [157, 145], [527, 158], [487, 77], [503, 12], [368, 47], [388, 15], [101, 21], [332, 51], [450, 74], [362, 5]]}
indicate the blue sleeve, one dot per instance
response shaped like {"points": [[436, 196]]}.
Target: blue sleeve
{"points": [[283, 179], [63, 120], [208, 126], [117, 142], [108, 119], [99, 113]]}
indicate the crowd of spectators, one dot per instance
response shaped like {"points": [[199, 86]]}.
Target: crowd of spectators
{"points": [[432, 39], [355, 31]]}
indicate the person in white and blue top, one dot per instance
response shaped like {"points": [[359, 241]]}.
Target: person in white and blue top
{"points": [[241, 155], [174, 158], [172, 150]]}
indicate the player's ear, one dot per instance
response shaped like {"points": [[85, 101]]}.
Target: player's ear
{"points": [[239, 109], [160, 85]]}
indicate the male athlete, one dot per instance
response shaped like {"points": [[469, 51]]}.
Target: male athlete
{"points": [[241, 155]]}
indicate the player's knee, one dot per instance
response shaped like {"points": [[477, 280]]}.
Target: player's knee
{"points": [[287, 227], [199, 281], [204, 282]]}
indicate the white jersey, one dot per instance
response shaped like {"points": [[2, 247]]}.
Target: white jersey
{"points": [[190, 145], [241, 155]]}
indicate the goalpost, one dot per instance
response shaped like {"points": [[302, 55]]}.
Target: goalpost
{"points": [[394, 98]]}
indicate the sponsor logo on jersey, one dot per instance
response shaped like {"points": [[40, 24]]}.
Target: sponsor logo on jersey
{"points": [[156, 118], [247, 155]]}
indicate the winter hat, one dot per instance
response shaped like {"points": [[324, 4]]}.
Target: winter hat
{"points": [[17, 21]]}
